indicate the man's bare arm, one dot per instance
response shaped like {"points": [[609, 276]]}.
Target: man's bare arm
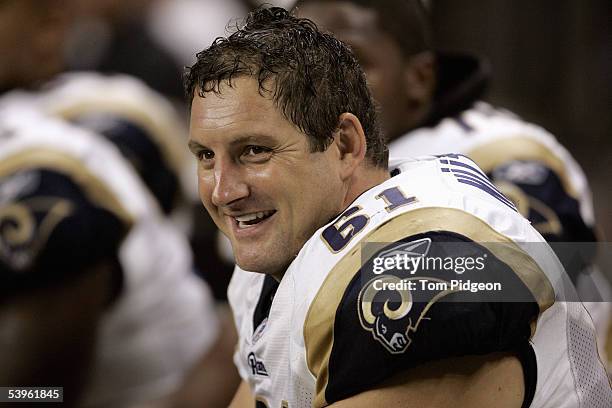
{"points": [[243, 397], [494, 380]]}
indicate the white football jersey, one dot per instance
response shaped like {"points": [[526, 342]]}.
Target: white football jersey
{"points": [[493, 137], [79, 93], [531, 167], [110, 104], [163, 319], [326, 332]]}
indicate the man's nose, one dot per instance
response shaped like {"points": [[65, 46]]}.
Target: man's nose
{"points": [[230, 185]]}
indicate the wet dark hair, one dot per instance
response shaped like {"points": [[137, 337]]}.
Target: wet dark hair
{"points": [[406, 21], [312, 77]]}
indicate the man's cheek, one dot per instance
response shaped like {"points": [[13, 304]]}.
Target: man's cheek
{"points": [[205, 188]]}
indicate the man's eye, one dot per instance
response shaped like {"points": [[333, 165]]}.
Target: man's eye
{"points": [[205, 155], [252, 151]]}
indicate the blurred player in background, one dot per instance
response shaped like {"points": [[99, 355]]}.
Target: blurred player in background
{"points": [[151, 136], [430, 104], [99, 294], [293, 169], [141, 123]]}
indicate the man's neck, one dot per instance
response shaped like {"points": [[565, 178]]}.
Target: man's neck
{"points": [[364, 179]]}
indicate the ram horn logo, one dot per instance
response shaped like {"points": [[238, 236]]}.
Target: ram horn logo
{"points": [[388, 325], [22, 234]]}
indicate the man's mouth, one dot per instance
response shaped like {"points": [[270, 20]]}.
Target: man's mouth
{"points": [[249, 220]]}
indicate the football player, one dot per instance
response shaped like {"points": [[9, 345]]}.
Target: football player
{"points": [[148, 132], [293, 169], [430, 105], [42, 158], [86, 256], [151, 136]]}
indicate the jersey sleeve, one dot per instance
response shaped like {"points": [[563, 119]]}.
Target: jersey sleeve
{"points": [[139, 148], [137, 120], [430, 294], [56, 220], [543, 187]]}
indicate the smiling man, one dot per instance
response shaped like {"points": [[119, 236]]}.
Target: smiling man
{"points": [[293, 169], [259, 180], [261, 218]]}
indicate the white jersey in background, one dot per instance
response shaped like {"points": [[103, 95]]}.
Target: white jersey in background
{"points": [[163, 319], [504, 146], [529, 166], [143, 124]]}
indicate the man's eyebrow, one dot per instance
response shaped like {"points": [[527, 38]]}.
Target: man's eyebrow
{"points": [[194, 146], [252, 138], [249, 138]]}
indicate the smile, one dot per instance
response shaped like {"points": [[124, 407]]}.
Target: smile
{"points": [[250, 220]]}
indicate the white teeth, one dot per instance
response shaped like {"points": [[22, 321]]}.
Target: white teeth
{"points": [[247, 217], [251, 217]]}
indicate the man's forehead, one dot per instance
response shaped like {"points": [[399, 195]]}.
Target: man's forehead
{"points": [[236, 111], [214, 105], [240, 97]]}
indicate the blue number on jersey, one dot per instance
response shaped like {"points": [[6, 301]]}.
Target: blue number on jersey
{"points": [[395, 198], [341, 232]]}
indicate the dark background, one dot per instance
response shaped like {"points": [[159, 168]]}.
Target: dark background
{"points": [[552, 64]]}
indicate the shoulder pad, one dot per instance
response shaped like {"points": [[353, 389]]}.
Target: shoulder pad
{"points": [[141, 122], [540, 196], [394, 315], [53, 224]]}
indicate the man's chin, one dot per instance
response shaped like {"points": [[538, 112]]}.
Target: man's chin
{"points": [[262, 263], [255, 267]]}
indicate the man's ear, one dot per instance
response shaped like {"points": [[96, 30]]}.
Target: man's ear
{"points": [[420, 77], [350, 141]]}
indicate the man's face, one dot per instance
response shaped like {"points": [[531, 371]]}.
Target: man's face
{"points": [[378, 53], [257, 176]]}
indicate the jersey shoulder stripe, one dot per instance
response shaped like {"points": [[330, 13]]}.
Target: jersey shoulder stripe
{"points": [[77, 95], [29, 133], [466, 173], [497, 152], [97, 191]]}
